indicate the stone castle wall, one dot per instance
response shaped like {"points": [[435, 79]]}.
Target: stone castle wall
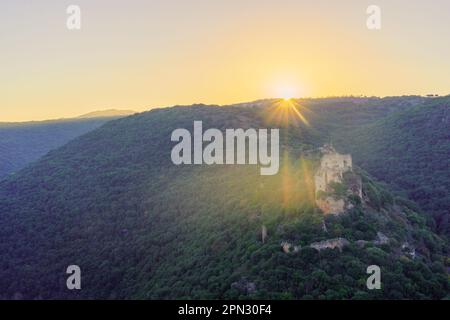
{"points": [[339, 243], [332, 168]]}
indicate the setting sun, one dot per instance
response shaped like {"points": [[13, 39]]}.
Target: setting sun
{"points": [[287, 92]]}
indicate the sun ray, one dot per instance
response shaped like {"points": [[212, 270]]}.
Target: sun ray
{"points": [[286, 112]]}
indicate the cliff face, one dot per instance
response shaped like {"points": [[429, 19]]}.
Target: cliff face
{"points": [[335, 172], [330, 205]]}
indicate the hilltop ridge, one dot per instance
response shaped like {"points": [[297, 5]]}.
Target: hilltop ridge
{"points": [[107, 113]]}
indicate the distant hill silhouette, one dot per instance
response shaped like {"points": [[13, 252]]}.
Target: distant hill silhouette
{"points": [[24, 142], [107, 113]]}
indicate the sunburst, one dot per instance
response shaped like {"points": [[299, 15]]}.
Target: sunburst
{"points": [[286, 112]]}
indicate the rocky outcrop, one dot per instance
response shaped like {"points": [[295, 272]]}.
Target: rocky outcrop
{"points": [[406, 249], [381, 239], [330, 205], [263, 234], [339, 243], [244, 286], [409, 250], [289, 248], [362, 243]]}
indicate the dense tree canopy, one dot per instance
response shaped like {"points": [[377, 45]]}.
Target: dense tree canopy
{"points": [[112, 202]]}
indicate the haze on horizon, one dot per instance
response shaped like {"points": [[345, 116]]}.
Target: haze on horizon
{"points": [[143, 54]]}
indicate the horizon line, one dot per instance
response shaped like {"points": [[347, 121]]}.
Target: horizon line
{"points": [[146, 109]]}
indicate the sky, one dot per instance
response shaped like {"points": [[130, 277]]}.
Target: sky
{"points": [[138, 54]]}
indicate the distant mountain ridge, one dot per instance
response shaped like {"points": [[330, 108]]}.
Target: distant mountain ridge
{"points": [[107, 113], [24, 142]]}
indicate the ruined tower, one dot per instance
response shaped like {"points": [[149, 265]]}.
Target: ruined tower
{"points": [[332, 168]]}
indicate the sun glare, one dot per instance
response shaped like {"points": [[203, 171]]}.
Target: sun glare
{"points": [[287, 92]]}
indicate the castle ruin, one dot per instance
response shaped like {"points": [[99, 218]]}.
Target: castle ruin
{"points": [[332, 168]]}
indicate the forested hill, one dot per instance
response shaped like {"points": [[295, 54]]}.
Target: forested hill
{"points": [[24, 142], [112, 202], [411, 151], [403, 141]]}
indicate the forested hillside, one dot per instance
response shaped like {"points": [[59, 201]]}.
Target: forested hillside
{"points": [[410, 150], [112, 202], [403, 141]]}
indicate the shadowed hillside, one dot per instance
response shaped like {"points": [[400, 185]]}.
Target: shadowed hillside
{"points": [[25, 142], [410, 150]]}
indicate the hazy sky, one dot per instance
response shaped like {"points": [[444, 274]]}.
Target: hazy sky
{"points": [[141, 54]]}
